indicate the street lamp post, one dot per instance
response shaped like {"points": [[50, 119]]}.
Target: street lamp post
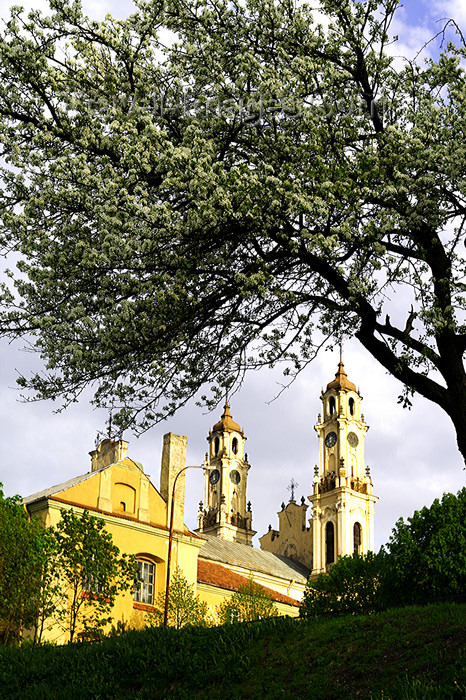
{"points": [[170, 540]]}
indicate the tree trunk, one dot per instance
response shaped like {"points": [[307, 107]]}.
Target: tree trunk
{"points": [[457, 414]]}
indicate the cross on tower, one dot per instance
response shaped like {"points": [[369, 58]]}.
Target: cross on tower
{"points": [[291, 487], [109, 424]]}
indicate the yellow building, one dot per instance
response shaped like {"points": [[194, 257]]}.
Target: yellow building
{"points": [[137, 515], [219, 556]]}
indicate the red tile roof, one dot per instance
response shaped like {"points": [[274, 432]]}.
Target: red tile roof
{"points": [[214, 574]]}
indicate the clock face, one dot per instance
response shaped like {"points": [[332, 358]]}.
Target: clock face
{"points": [[331, 439], [353, 439], [235, 476], [214, 476]]}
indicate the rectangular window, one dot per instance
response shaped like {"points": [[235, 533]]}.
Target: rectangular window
{"points": [[146, 575]]}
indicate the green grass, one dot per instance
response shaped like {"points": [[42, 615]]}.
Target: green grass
{"points": [[404, 654]]}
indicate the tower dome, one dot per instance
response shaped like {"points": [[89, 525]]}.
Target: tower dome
{"points": [[341, 381], [226, 424]]}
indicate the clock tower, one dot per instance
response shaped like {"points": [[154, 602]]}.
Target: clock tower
{"points": [[342, 498], [224, 512]]}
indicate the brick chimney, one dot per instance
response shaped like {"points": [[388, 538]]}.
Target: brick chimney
{"points": [[173, 460]]}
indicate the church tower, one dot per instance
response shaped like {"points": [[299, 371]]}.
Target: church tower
{"points": [[225, 512], [342, 498]]}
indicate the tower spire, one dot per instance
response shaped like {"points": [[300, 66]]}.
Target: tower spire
{"points": [[291, 488], [341, 381]]}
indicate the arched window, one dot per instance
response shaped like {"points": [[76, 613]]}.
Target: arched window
{"points": [[146, 578], [357, 538], [329, 543], [123, 494], [331, 405], [216, 445], [234, 446], [351, 406]]}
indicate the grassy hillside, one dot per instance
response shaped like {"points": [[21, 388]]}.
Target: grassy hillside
{"points": [[400, 654]]}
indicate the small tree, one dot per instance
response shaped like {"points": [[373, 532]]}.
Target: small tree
{"points": [[352, 586], [22, 562], [91, 573], [427, 553], [50, 595], [184, 608], [250, 602]]}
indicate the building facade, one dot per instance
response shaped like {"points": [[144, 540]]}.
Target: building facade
{"points": [[135, 513]]}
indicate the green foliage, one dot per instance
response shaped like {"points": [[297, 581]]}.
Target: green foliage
{"points": [[424, 561], [184, 608], [426, 555], [68, 575], [50, 595], [351, 587], [90, 573], [259, 183], [22, 563], [423, 687], [250, 602], [377, 656]]}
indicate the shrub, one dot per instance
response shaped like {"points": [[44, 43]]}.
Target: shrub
{"points": [[352, 586], [184, 608], [250, 602]]}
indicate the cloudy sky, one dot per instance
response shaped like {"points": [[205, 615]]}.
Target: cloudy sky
{"points": [[412, 454]]}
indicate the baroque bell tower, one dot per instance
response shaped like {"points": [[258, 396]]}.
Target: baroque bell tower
{"points": [[225, 512], [342, 498]]}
